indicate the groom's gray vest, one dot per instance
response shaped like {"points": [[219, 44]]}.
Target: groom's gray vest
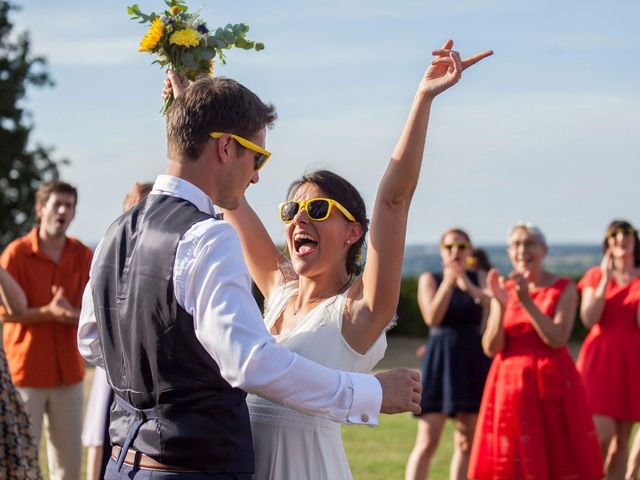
{"points": [[165, 382]]}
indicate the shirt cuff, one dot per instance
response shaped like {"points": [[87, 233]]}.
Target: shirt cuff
{"points": [[367, 400]]}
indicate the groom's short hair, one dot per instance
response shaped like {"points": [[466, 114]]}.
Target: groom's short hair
{"points": [[214, 105]]}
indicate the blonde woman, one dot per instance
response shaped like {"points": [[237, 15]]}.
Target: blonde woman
{"points": [[534, 420]]}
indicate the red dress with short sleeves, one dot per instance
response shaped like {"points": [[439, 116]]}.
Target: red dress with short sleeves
{"points": [[534, 422], [609, 359]]}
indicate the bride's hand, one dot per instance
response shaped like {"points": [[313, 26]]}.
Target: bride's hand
{"points": [[446, 70]]}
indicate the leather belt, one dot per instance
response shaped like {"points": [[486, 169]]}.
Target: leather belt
{"points": [[134, 458]]}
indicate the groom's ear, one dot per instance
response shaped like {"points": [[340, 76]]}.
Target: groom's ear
{"points": [[224, 148]]}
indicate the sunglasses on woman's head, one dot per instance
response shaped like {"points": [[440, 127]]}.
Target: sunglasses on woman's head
{"points": [[459, 245], [318, 209], [262, 155]]}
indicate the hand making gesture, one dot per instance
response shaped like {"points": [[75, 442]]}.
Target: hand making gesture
{"points": [[446, 69]]}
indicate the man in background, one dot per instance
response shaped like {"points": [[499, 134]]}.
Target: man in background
{"points": [[40, 343]]}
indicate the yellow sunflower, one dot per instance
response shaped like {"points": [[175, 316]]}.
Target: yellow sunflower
{"points": [[187, 37], [153, 36]]}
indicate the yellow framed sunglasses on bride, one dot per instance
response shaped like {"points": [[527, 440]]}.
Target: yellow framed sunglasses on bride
{"points": [[318, 209]]}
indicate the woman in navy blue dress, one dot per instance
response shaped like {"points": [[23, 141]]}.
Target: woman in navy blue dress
{"points": [[454, 367]]}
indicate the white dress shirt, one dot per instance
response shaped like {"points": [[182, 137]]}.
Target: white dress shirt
{"points": [[213, 285]]}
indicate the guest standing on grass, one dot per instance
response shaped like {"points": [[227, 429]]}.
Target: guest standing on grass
{"points": [[609, 360], [534, 421], [454, 367], [52, 268]]}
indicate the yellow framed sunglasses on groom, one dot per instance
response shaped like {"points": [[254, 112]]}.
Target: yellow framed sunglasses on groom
{"points": [[262, 155]]}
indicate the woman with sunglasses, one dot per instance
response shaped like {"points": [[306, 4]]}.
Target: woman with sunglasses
{"points": [[609, 360], [454, 367], [322, 303], [534, 421]]}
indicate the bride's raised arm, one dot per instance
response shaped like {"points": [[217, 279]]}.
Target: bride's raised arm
{"points": [[267, 265], [376, 298]]}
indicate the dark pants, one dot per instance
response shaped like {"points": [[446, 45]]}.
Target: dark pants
{"points": [[137, 473]]}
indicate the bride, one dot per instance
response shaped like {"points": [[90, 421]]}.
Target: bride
{"points": [[322, 303]]}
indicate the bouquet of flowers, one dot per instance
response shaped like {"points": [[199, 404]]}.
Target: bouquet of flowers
{"points": [[182, 40]]}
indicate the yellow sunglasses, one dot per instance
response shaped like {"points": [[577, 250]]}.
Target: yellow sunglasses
{"points": [[459, 245], [318, 209], [624, 230], [262, 154]]}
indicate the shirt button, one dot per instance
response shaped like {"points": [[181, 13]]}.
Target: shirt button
{"points": [[364, 417]]}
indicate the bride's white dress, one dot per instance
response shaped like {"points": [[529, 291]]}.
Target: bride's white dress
{"points": [[291, 445]]}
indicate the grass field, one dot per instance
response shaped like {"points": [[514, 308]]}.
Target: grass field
{"points": [[382, 452], [374, 453]]}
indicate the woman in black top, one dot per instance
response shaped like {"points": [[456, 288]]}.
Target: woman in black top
{"points": [[454, 367]]}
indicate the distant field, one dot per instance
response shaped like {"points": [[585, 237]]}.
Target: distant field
{"points": [[565, 259]]}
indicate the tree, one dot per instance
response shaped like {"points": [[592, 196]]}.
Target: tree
{"points": [[22, 167]]}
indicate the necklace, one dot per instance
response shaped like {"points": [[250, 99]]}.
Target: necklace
{"points": [[315, 300], [311, 302]]}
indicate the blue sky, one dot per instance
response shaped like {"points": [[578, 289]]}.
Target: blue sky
{"points": [[546, 130]]}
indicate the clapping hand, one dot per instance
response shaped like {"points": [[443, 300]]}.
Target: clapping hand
{"points": [[451, 272], [446, 70], [496, 287], [606, 265], [521, 282], [60, 308]]}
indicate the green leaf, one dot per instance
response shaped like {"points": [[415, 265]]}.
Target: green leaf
{"points": [[229, 37], [239, 29], [208, 53], [219, 40], [189, 61], [259, 46]]}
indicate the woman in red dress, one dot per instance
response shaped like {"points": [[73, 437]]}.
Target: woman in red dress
{"points": [[534, 422], [609, 360]]}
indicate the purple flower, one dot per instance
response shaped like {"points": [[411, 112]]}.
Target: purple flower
{"points": [[168, 21], [202, 29]]}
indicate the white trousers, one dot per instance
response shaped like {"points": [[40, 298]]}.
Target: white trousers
{"points": [[61, 409]]}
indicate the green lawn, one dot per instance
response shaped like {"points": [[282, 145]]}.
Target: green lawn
{"points": [[373, 453], [382, 452]]}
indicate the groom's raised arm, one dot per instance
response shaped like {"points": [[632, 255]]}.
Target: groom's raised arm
{"points": [[214, 286]]}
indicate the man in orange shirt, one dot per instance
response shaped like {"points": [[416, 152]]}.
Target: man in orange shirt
{"points": [[40, 343]]}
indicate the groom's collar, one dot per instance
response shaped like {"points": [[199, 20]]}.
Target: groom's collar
{"points": [[178, 187]]}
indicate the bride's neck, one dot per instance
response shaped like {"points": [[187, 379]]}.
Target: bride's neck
{"points": [[321, 286]]}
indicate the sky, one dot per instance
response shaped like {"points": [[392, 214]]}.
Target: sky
{"points": [[546, 130]]}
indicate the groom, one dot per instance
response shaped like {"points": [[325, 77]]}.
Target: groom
{"points": [[169, 313]]}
